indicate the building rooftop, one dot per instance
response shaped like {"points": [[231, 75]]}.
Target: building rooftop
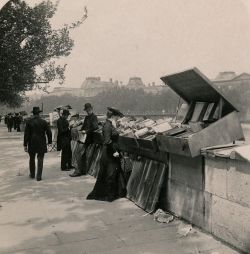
{"points": [[225, 75]]}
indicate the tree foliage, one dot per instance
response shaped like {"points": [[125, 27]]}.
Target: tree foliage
{"points": [[128, 101], [28, 43], [138, 102]]}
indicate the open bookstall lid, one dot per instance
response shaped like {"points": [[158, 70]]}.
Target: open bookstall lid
{"points": [[192, 86]]}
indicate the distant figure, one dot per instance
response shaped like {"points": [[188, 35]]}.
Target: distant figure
{"points": [[5, 119], [10, 122], [90, 124], [34, 143], [17, 122], [110, 183], [64, 135]]}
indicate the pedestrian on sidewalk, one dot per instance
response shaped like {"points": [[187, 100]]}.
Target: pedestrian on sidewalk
{"points": [[65, 136], [35, 143], [110, 182], [17, 122], [89, 126], [10, 122]]}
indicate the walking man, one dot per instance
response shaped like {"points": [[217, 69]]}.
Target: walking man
{"points": [[65, 136], [90, 125], [17, 122], [10, 122], [35, 134]]}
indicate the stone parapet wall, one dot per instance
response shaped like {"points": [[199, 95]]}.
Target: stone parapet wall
{"points": [[213, 194], [228, 182]]}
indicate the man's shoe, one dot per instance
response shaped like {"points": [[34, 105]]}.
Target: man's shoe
{"points": [[39, 179], [31, 176]]}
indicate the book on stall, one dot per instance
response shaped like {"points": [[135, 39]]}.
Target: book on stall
{"points": [[208, 111], [141, 132], [199, 106], [175, 131], [162, 127]]}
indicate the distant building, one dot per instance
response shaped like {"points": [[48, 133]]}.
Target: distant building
{"points": [[94, 85], [231, 80], [89, 88], [60, 91], [136, 83], [225, 75]]}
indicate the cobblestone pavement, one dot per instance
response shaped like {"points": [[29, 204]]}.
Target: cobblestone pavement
{"points": [[52, 216]]}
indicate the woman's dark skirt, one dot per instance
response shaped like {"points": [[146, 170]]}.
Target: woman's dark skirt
{"points": [[110, 183]]}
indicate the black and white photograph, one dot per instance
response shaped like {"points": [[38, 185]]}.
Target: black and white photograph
{"points": [[124, 126]]}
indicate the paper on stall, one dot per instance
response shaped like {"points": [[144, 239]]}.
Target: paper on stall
{"points": [[123, 120], [127, 133], [160, 128], [163, 120], [149, 123], [141, 132], [159, 121], [146, 123]]}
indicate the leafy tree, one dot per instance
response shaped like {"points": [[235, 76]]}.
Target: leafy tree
{"points": [[29, 47], [128, 101]]}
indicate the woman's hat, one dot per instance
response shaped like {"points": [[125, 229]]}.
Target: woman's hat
{"points": [[87, 106], [36, 110], [68, 107], [59, 107], [115, 112]]}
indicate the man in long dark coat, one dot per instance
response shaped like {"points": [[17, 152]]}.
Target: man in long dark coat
{"points": [[10, 122], [35, 134], [17, 122], [90, 125], [64, 135]]}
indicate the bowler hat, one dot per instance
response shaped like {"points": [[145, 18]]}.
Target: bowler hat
{"points": [[87, 105], [65, 112], [36, 110], [115, 112]]}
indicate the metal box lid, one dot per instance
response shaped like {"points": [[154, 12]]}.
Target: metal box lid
{"points": [[191, 85]]}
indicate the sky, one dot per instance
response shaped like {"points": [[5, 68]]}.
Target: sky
{"points": [[152, 38]]}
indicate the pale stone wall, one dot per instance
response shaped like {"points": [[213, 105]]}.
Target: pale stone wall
{"points": [[213, 194], [229, 183]]}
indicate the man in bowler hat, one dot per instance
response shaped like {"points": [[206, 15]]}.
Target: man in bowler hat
{"points": [[65, 137], [35, 134], [89, 126]]}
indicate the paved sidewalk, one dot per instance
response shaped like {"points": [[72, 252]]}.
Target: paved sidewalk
{"points": [[52, 216]]}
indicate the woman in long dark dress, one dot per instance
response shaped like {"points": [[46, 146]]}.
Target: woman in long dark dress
{"points": [[110, 183]]}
